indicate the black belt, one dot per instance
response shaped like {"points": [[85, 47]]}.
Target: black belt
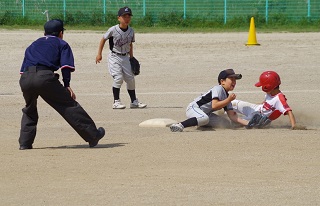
{"points": [[121, 54], [37, 68]]}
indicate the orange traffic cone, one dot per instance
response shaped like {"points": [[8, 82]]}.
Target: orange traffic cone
{"points": [[252, 39]]}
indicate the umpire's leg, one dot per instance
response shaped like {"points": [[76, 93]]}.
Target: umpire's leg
{"points": [[30, 116], [29, 120], [60, 99]]}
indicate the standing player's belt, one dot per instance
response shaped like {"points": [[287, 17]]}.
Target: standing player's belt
{"points": [[122, 54]]}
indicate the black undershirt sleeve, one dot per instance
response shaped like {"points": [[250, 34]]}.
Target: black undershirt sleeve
{"points": [[111, 44], [66, 76]]}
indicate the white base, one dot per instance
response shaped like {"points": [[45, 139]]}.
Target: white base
{"points": [[158, 122]]}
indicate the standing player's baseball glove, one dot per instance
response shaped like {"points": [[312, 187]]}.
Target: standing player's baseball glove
{"points": [[258, 121], [135, 66]]}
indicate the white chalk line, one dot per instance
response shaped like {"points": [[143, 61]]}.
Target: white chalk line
{"points": [[198, 93], [173, 93], [236, 92]]}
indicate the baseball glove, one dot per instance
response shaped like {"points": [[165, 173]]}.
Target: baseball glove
{"points": [[135, 66], [258, 121]]}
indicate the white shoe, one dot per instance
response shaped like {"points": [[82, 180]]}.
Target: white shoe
{"points": [[136, 104], [176, 127], [118, 105]]}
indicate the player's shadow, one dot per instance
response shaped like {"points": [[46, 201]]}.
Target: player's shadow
{"points": [[82, 146], [200, 129], [205, 129]]}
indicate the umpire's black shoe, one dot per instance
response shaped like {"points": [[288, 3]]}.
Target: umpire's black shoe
{"points": [[101, 133], [23, 147]]}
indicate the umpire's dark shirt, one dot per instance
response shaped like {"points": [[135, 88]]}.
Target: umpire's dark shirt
{"points": [[52, 52]]}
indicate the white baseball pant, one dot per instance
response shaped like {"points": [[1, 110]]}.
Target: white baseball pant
{"points": [[204, 119], [246, 108], [120, 69]]}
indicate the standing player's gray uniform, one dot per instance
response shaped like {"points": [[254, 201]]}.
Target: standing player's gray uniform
{"points": [[119, 64], [201, 107]]}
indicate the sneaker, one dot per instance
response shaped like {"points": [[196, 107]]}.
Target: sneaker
{"points": [[254, 121], [136, 104], [101, 133], [118, 105], [176, 127]]}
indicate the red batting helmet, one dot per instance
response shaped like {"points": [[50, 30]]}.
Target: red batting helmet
{"points": [[268, 80]]}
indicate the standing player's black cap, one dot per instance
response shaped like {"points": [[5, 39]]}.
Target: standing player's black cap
{"points": [[53, 27], [228, 73], [124, 10]]}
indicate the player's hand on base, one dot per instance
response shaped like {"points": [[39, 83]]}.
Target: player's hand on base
{"points": [[98, 58], [73, 95]]}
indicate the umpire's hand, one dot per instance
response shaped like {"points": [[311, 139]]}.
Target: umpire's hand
{"points": [[73, 95]]}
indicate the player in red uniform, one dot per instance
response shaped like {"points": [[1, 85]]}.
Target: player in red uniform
{"points": [[274, 105]]}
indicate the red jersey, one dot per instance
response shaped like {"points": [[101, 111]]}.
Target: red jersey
{"points": [[274, 106]]}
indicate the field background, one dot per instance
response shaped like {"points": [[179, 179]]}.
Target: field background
{"points": [[153, 166], [189, 13]]}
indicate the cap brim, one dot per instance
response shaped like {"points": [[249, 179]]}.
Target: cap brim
{"points": [[258, 84], [237, 76], [126, 13]]}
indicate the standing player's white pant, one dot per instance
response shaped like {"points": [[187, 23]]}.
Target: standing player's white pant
{"points": [[120, 69], [246, 108], [204, 119]]}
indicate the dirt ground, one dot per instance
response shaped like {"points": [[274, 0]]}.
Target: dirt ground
{"points": [[134, 165]]}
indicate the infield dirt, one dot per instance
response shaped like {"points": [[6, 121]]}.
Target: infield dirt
{"points": [[135, 165]]}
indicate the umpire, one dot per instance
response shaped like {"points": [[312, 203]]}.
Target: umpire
{"points": [[44, 56]]}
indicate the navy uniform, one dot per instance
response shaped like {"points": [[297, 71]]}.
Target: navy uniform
{"points": [[44, 56]]}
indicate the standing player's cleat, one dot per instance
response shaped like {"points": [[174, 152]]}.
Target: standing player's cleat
{"points": [[136, 104], [101, 133], [176, 127], [118, 105]]}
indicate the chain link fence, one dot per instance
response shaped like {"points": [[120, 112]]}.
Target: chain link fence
{"points": [[97, 12]]}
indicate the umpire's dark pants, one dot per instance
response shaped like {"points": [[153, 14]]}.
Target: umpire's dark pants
{"points": [[41, 81]]}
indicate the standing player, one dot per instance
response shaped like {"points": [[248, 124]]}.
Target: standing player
{"points": [[44, 56], [274, 105], [200, 111], [120, 38]]}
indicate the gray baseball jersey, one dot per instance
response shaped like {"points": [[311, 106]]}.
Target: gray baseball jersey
{"points": [[118, 59], [119, 40], [205, 100]]}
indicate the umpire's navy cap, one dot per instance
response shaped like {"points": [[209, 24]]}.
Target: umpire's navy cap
{"points": [[228, 73], [124, 10], [53, 27]]}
